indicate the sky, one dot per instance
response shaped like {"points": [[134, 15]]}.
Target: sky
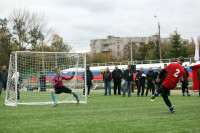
{"points": [[79, 21]]}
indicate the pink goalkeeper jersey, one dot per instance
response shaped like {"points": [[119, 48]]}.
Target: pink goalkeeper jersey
{"points": [[57, 83]]}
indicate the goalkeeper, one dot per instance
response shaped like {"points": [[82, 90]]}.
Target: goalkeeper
{"points": [[59, 87]]}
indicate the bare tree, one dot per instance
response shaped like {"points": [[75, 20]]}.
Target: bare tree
{"points": [[29, 29]]}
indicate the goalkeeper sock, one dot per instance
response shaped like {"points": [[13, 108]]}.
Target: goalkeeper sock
{"points": [[54, 98], [76, 96]]}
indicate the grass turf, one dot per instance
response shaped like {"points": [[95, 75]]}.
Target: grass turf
{"points": [[104, 114]]}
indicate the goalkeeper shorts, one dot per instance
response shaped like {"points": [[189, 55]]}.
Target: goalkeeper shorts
{"points": [[62, 89]]}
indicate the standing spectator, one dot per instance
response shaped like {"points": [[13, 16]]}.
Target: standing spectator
{"points": [[150, 81], [128, 77], [16, 79], [141, 81], [89, 78], [42, 82], [107, 77], [117, 77], [3, 78], [158, 85], [198, 77], [136, 78], [187, 83]]}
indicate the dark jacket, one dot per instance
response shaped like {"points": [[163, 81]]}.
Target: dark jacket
{"points": [[136, 77], [157, 76], [4, 75], [117, 75], [107, 76], [187, 75], [0, 78], [141, 78], [128, 75], [198, 75], [150, 77], [90, 76], [42, 80]]}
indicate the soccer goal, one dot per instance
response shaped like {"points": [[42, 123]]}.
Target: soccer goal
{"points": [[30, 77]]}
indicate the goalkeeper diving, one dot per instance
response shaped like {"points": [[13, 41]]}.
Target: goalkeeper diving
{"points": [[59, 87]]}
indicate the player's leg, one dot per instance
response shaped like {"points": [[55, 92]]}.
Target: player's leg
{"points": [[183, 90], [143, 86], [115, 87], [67, 90], [125, 87], [105, 86], [166, 99], [119, 87], [139, 88], [89, 87], [109, 88], [84, 89], [199, 89], [147, 90], [153, 89], [130, 87], [53, 97], [1, 84], [159, 91]]}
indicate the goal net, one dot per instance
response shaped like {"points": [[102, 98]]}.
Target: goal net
{"points": [[30, 77]]}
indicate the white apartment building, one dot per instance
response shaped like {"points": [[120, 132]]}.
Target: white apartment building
{"points": [[116, 44]]}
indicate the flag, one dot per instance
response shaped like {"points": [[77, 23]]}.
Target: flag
{"points": [[196, 57]]}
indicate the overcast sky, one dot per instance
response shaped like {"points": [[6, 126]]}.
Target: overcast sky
{"points": [[79, 21]]}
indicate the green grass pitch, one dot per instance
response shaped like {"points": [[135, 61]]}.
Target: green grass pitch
{"points": [[104, 114]]}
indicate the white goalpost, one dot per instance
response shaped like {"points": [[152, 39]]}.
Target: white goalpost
{"points": [[30, 77]]}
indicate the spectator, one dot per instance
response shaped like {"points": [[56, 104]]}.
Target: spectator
{"points": [[3, 78], [107, 77], [117, 77], [89, 78], [15, 78], [141, 80], [128, 77], [42, 82], [136, 78], [156, 77], [198, 77], [150, 81], [187, 83]]}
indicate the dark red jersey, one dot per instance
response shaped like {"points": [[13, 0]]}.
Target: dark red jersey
{"points": [[176, 71]]}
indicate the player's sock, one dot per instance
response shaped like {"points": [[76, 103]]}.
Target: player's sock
{"points": [[155, 94], [183, 94], [188, 94], [54, 98], [171, 108], [76, 96]]}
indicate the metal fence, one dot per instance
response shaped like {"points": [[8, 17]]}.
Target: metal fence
{"points": [[190, 60]]}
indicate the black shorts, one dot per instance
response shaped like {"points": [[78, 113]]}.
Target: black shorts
{"points": [[62, 89]]}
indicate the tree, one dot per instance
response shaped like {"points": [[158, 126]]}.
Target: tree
{"points": [[58, 45], [28, 28], [126, 55], [176, 45], [5, 42]]}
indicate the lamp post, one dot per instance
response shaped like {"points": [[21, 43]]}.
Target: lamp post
{"points": [[159, 39], [131, 53]]}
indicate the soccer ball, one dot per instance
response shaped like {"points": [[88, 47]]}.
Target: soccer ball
{"points": [[102, 71]]}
